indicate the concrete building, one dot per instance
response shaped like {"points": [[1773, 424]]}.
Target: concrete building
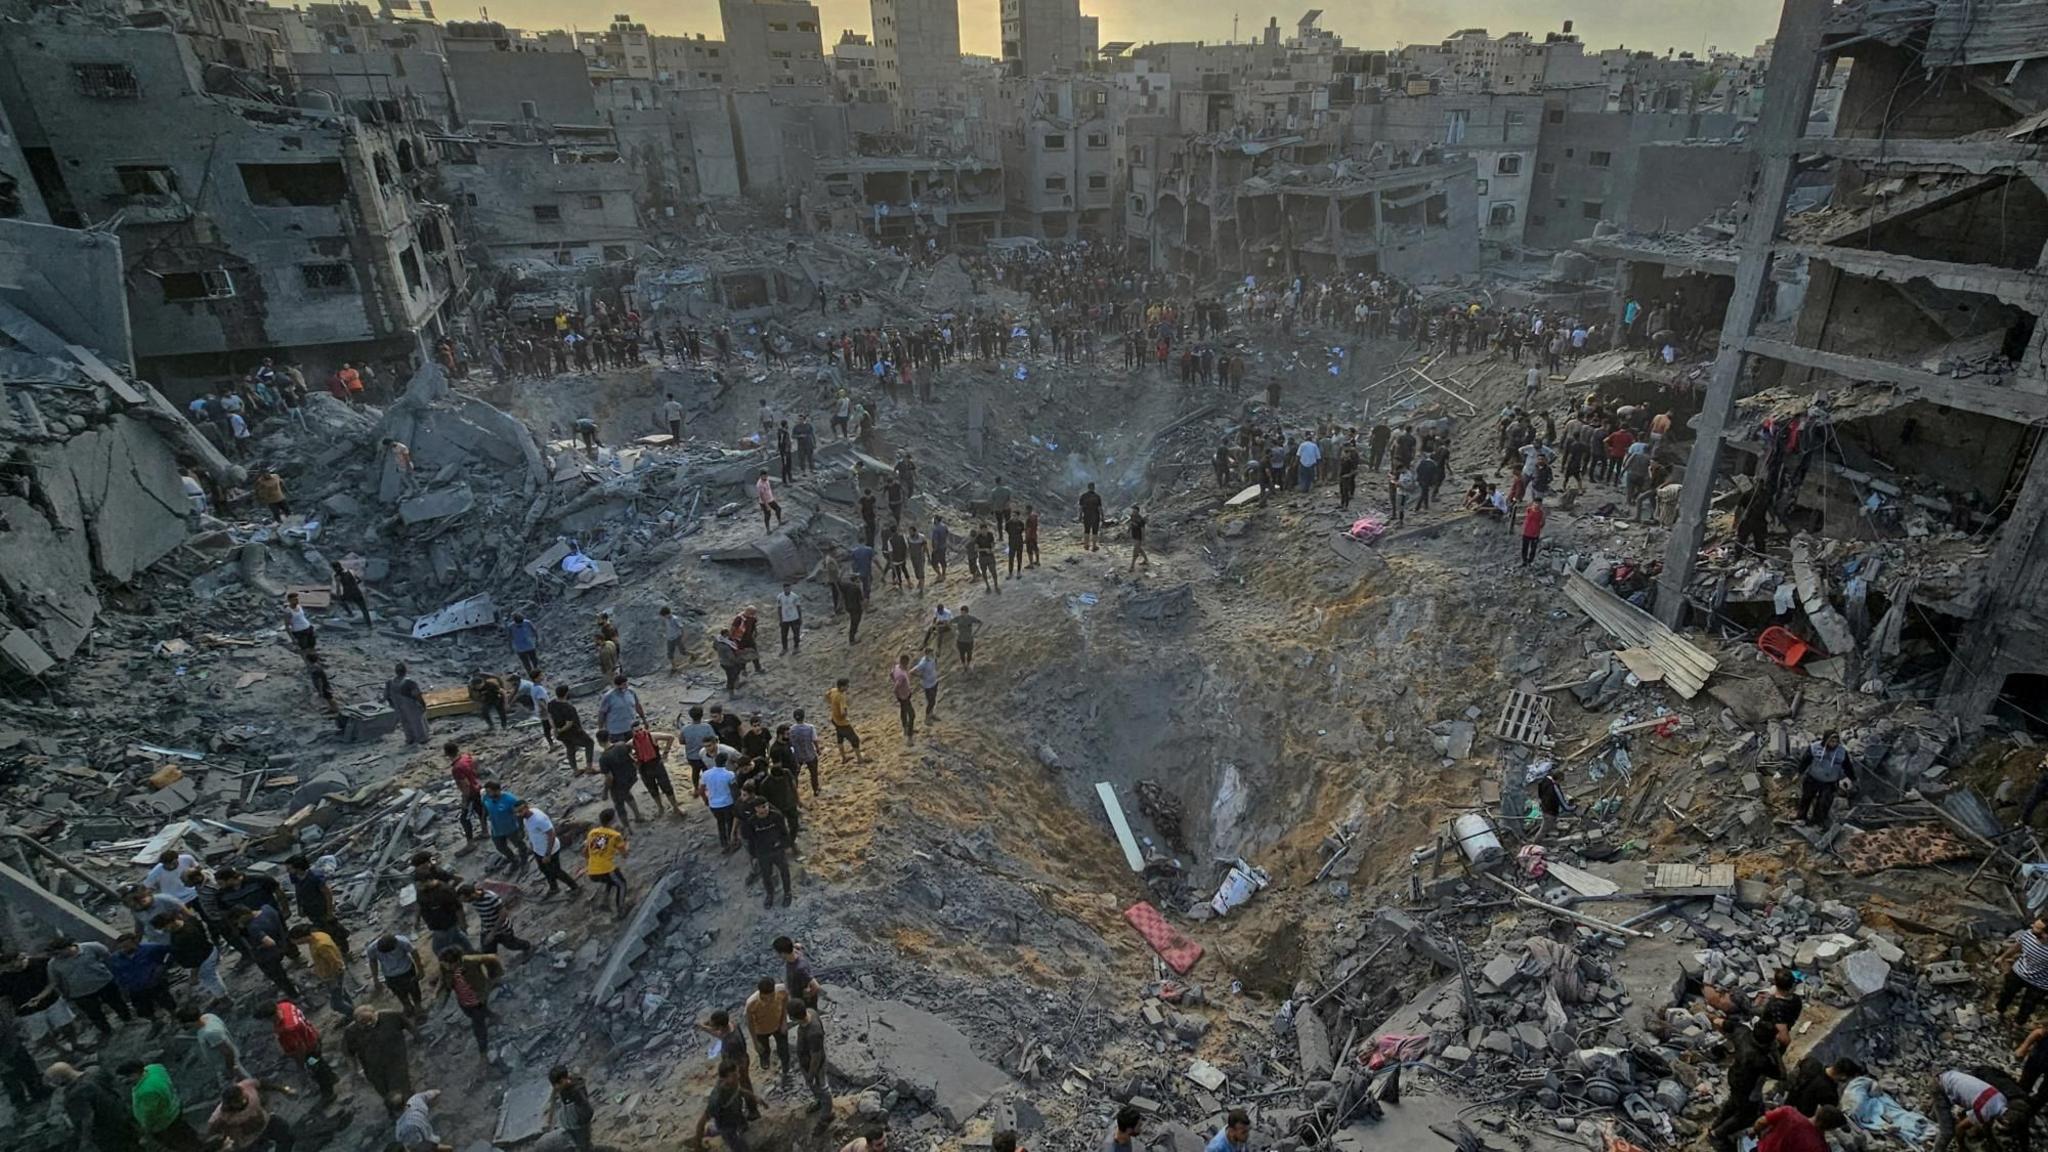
{"points": [[917, 51], [624, 49], [19, 199], [682, 62], [1059, 161], [856, 76], [1921, 323], [1229, 207], [906, 198], [507, 85], [254, 228], [559, 194], [1585, 156], [775, 44], [1500, 131], [1042, 36], [1470, 60]]}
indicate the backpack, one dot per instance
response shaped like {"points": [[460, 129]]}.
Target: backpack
{"points": [[644, 749], [296, 1036]]}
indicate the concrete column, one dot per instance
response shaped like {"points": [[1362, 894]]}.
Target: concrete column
{"points": [[1623, 289], [1972, 681], [1788, 99]]}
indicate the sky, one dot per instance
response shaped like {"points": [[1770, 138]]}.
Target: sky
{"points": [[1654, 25]]}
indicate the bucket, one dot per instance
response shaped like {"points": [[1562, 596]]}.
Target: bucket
{"points": [[1477, 840]]}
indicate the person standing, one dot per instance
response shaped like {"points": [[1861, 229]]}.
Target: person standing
{"points": [[1138, 540], [158, 1112], [525, 643], [602, 847], [1347, 473], [621, 771], [965, 623], [672, 412], [767, 1013], [468, 788], [403, 694], [569, 1106], [672, 639], [568, 725], [648, 758], [1822, 768], [348, 589], [393, 965], [618, 710], [803, 747], [838, 701], [1533, 519], [810, 1056], [767, 837], [985, 558], [941, 537], [80, 973], [376, 1040], [764, 495], [546, 847], [789, 613], [906, 710], [315, 897], [927, 671], [919, 549], [299, 1041], [192, 948], [718, 787], [1013, 528], [98, 1115], [467, 980], [1091, 518]]}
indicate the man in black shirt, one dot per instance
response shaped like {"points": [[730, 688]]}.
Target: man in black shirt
{"points": [[621, 772], [1138, 539], [767, 834], [1091, 518]]}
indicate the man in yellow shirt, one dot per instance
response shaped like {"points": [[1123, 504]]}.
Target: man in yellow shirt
{"points": [[842, 723], [330, 966], [602, 847], [768, 1023]]}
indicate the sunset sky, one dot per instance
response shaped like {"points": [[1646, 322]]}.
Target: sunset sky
{"points": [[1736, 25]]}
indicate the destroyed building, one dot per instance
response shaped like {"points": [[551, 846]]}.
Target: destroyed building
{"points": [[1899, 325], [258, 223]]}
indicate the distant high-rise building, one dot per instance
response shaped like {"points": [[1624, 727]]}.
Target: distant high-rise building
{"points": [[774, 44], [1041, 36], [917, 52]]}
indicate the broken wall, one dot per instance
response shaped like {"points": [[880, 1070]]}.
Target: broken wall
{"points": [[70, 280], [1677, 185]]}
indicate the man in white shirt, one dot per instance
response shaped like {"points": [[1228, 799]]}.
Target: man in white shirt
{"points": [[718, 786], [545, 845], [168, 876], [789, 610], [298, 624], [1308, 455]]}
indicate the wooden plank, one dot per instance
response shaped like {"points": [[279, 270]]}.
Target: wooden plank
{"points": [[1643, 663], [1132, 855], [159, 843], [1579, 880]]}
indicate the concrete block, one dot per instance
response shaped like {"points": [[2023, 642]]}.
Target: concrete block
{"points": [[1866, 974], [438, 505], [522, 1116], [871, 1041], [1312, 1042], [1455, 1055], [1499, 1042], [342, 504], [1501, 970]]}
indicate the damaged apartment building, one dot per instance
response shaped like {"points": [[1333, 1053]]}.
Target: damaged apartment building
{"points": [[1881, 373], [257, 223]]}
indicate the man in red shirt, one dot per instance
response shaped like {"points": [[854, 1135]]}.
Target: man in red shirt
{"points": [[1785, 1129], [1618, 443], [462, 766], [1532, 529]]}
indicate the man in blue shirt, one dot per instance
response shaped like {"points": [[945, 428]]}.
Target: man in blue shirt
{"points": [[501, 814], [718, 794], [863, 558], [1236, 1134], [525, 642]]}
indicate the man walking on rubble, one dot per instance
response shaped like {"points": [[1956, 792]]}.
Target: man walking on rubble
{"points": [[348, 590], [1822, 768], [617, 710]]}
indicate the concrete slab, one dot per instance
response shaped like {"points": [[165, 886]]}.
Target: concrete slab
{"points": [[437, 505], [475, 612], [1312, 1042], [632, 942], [523, 1114], [871, 1041]]}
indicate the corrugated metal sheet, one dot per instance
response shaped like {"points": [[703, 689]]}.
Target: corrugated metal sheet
{"points": [[1686, 667]]}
